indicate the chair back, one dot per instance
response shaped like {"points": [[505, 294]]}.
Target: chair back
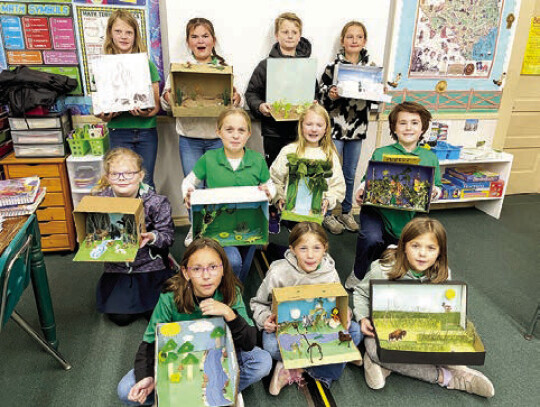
{"points": [[15, 271]]}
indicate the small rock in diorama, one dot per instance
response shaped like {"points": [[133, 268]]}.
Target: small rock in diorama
{"points": [[196, 363], [424, 323], [398, 186]]}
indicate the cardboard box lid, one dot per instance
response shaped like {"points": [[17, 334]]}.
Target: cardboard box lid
{"points": [[201, 68], [301, 292], [104, 204], [227, 195]]}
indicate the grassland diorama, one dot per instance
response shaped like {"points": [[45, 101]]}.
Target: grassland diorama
{"points": [[196, 364]]}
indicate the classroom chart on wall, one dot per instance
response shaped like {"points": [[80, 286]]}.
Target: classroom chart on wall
{"points": [[531, 59]]}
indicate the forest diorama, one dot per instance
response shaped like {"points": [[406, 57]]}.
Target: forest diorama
{"points": [[196, 363], [239, 221], [305, 188], [418, 317], [398, 186], [310, 330]]}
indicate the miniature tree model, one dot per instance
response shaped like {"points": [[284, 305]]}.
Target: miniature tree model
{"points": [[169, 346], [216, 334], [190, 360], [186, 347], [171, 357]]}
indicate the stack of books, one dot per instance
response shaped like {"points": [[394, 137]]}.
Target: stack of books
{"points": [[20, 196]]}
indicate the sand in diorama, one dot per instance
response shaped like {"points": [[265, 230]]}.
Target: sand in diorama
{"points": [[290, 86], [311, 322], [196, 364], [398, 186], [235, 216], [360, 82], [424, 323]]}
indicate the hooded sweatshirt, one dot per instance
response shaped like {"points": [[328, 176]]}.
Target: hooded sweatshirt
{"points": [[287, 273]]}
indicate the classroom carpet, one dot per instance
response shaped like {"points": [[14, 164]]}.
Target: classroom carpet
{"points": [[498, 259]]}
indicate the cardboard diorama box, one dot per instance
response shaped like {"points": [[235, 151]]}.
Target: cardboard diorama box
{"points": [[196, 364], [122, 83], [360, 82], [398, 186], [234, 216], [108, 229], [424, 323], [290, 86], [200, 90], [311, 325]]}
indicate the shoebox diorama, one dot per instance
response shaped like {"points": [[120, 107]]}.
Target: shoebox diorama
{"points": [[234, 216], [108, 229], [196, 364], [311, 325], [122, 83], [290, 86], [424, 323], [360, 82], [398, 186], [200, 90], [305, 188], [402, 159]]}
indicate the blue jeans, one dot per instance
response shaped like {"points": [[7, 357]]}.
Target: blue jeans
{"points": [[254, 365], [143, 141], [191, 149], [240, 258], [325, 374], [349, 150]]}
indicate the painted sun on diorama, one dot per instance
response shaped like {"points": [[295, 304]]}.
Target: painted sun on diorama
{"points": [[312, 321], [196, 364], [424, 323], [398, 186]]}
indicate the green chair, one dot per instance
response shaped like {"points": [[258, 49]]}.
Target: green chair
{"points": [[15, 275]]}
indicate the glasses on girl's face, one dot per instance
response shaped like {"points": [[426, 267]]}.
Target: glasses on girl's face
{"points": [[212, 270], [127, 175]]}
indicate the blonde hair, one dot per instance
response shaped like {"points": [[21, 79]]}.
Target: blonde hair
{"points": [[350, 24], [293, 18], [199, 21], [303, 228], [116, 154], [126, 17], [326, 143], [229, 112], [397, 258]]}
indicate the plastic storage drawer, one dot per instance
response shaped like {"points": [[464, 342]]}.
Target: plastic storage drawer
{"points": [[50, 121], [84, 172], [43, 150], [50, 136]]}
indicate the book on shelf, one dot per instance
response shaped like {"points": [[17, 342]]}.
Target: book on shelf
{"points": [[18, 191], [23, 209]]}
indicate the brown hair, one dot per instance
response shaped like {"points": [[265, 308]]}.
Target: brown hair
{"points": [[438, 273], [183, 288], [118, 153], [326, 142], [301, 229], [198, 21], [293, 18], [126, 17], [409, 107], [350, 24], [229, 112]]}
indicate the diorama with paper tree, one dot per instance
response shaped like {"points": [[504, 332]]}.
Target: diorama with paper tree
{"points": [[424, 323], [312, 325], [196, 364], [398, 186], [234, 216], [200, 90], [305, 188], [290, 86]]}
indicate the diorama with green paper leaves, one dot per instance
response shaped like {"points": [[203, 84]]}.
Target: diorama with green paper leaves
{"points": [[305, 189]]}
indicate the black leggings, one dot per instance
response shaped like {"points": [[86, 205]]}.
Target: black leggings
{"points": [[126, 319]]}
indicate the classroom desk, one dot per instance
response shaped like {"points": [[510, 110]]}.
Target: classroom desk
{"points": [[38, 272]]}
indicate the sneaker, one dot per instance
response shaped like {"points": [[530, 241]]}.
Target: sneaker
{"points": [[189, 237], [352, 281], [280, 379], [374, 374], [273, 223], [347, 220], [469, 380], [332, 225], [239, 400]]}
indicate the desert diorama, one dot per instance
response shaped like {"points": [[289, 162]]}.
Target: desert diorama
{"points": [[398, 186], [312, 323], [424, 323], [195, 364]]}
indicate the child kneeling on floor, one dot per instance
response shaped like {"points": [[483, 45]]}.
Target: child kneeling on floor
{"points": [[205, 287], [420, 256], [306, 262]]}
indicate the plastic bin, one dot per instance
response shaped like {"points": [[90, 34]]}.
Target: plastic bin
{"points": [[84, 172], [453, 152], [79, 147], [41, 150], [50, 121], [37, 136], [99, 146], [440, 150]]}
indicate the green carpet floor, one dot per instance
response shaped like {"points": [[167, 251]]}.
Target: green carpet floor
{"points": [[499, 259]]}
